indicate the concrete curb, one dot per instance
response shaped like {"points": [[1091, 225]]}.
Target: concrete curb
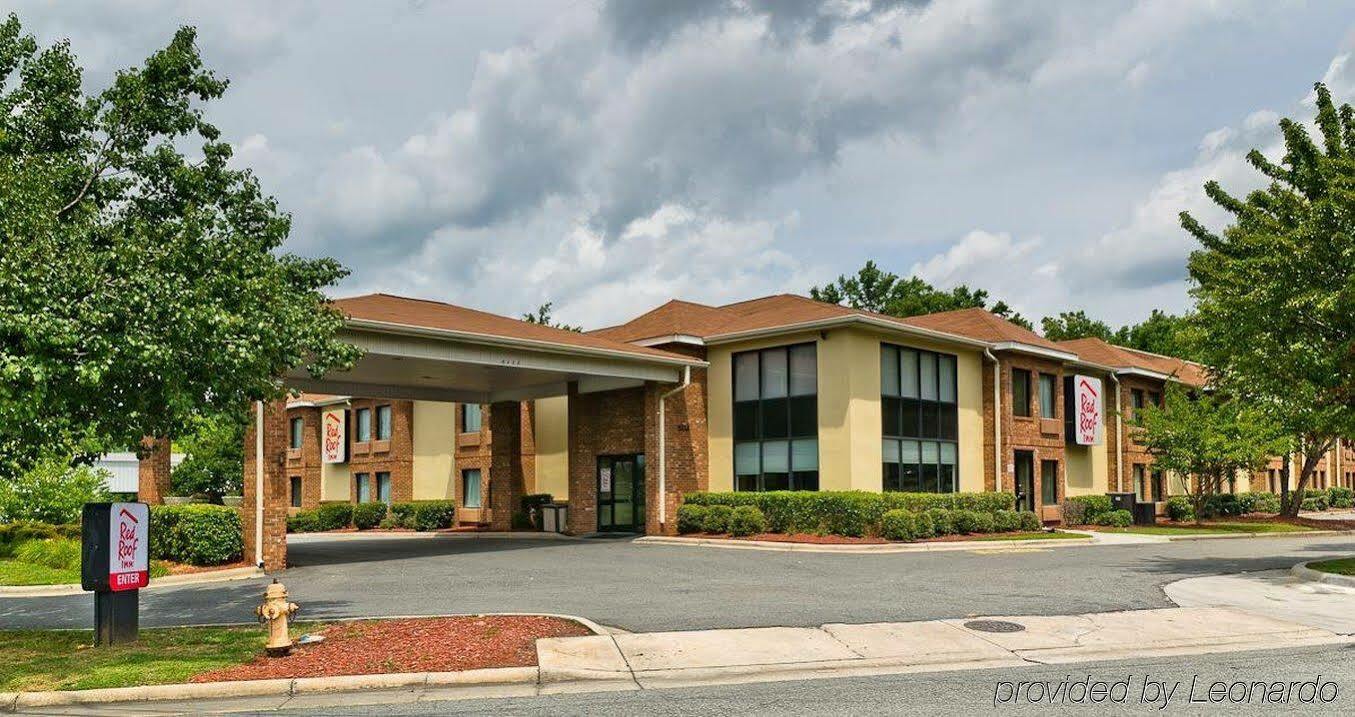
{"points": [[430, 535], [862, 549], [1307, 574], [1240, 536], [208, 576]]}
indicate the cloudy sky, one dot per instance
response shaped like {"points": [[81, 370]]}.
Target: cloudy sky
{"points": [[607, 155]]}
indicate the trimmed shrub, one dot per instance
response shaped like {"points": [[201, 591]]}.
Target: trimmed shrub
{"points": [[717, 519], [211, 535], [1179, 509], [691, 518], [1340, 497], [1314, 504], [303, 521], [964, 522], [942, 522], [1262, 502], [925, 527], [1029, 522], [987, 502], [849, 513], [983, 522], [899, 524], [388, 523], [1223, 505], [746, 520], [433, 514], [403, 514], [1085, 509], [1115, 519], [333, 516], [1006, 521], [368, 515]]}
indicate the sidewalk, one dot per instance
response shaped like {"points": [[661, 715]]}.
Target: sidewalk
{"points": [[1273, 593]]}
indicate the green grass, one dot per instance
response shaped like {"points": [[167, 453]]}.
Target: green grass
{"points": [[63, 659], [1340, 566], [14, 572], [1206, 529], [1035, 535]]}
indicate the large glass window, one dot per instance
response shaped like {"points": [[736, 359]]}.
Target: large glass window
{"points": [[470, 488], [470, 418], [1047, 403], [296, 428], [383, 423], [1020, 392], [776, 419], [363, 430], [920, 420], [1049, 482]]}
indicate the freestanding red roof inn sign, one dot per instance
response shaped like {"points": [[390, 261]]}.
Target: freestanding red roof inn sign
{"points": [[115, 564]]}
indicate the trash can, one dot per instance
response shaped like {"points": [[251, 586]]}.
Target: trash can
{"points": [[1121, 501], [554, 517], [1145, 513]]}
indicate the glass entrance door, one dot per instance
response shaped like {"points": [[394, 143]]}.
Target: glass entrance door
{"points": [[621, 494], [1025, 480]]}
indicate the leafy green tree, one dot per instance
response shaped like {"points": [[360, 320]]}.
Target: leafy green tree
{"points": [[52, 491], [1275, 290], [1074, 325], [1161, 333], [542, 316], [1204, 441], [882, 292], [214, 459], [140, 281]]}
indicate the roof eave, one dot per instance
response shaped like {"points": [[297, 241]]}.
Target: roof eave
{"points": [[1025, 348], [686, 339], [840, 321]]}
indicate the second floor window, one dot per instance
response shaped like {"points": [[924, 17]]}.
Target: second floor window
{"points": [[776, 419], [918, 401], [297, 426], [383, 423], [1047, 392], [362, 432], [1020, 392], [470, 418]]}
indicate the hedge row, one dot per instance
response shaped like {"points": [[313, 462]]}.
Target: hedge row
{"points": [[894, 524], [197, 534], [418, 515], [848, 513]]}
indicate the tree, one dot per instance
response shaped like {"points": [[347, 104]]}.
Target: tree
{"points": [[1205, 441], [1160, 333], [138, 286], [542, 316], [884, 292], [52, 491], [1275, 290], [214, 459], [1074, 325]]}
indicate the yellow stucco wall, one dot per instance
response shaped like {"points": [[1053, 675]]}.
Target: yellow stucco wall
{"points": [[552, 446], [849, 408], [434, 450], [334, 482]]}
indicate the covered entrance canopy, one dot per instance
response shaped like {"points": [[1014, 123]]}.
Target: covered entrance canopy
{"points": [[425, 350]]}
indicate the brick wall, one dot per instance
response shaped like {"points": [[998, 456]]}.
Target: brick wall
{"points": [[1041, 435], [153, 470], [606, 423], [275, 487], [304, 463]]}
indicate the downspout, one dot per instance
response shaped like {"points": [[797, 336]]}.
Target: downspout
{"points": [[663, 446], [997, 420], [1119, 438], [258, 484]]}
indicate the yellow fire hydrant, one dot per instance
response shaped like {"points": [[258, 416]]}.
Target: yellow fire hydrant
{"points": [[274, 612]]}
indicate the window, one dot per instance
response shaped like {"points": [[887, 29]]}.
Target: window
{"points": [[297, 425], [1049, 482], [1155, 398], [1140, 483], [383, 487], [470, 418], [920, 420], [1159, 486], [1047, 386], [470, 488], [1020, 392], [296, 491], [1136, 398], [776, 419], [364, 487], [363, 419], [383, 423]]}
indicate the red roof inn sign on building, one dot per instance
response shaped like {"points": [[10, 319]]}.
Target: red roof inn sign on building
{"points": [[335, 440], [1087, 403]]}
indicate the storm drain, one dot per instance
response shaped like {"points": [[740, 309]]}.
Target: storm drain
{"points": [[994, 626]]}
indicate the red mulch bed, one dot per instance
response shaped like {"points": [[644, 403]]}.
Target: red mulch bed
{"points": [[185, 568], [439, 644]]}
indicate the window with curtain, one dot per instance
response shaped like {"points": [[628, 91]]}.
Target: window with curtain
{"points": [[776, 419], [1159, 486], [383, 487], [920, 420], [1049, 482], [383, 423], [1048, 408], [1020, 392], [296, 433], [364, 487], [470, 418], [470, 488], [362, 430]]}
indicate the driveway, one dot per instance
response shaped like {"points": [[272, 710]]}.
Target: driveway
{"points": [[649, 588]]}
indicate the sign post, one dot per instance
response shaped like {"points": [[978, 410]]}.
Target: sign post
{"points": [[115, 564]]}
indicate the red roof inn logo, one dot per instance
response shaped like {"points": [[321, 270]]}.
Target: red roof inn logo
{"points": [[335, 438], [128, 563], [1087, 399]]}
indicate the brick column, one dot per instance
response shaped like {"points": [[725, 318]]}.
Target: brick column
{"points": [[506, 484], [275, 486], [153, 471]]}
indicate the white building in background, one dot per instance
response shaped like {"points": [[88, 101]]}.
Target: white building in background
{"points": [[123, 470]]}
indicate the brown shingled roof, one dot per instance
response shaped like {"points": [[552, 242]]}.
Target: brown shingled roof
{"points": [[1097, 351], [983, 325], [436, 315]]}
